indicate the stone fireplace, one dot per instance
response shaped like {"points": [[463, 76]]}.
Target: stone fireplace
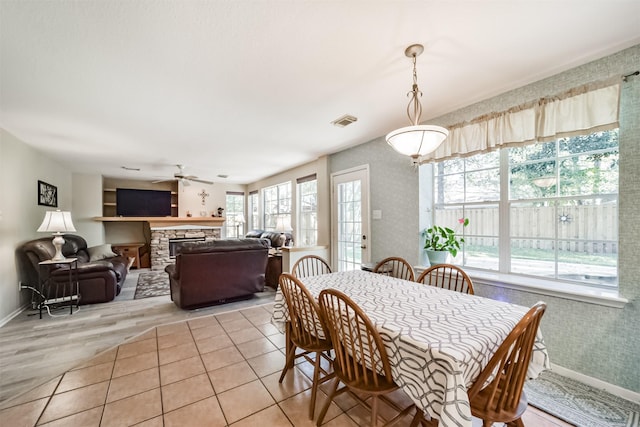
{"points": [[161, 255]]}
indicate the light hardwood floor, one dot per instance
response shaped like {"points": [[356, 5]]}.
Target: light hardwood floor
{"points": [[33, 350], [213, 367]]}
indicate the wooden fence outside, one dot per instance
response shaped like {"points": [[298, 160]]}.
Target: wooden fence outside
{"points": [[584, 228]]}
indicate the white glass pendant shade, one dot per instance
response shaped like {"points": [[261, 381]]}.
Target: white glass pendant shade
{"points": [[416, 141]]}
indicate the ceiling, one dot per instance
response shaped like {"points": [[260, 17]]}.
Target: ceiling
{"points": [[250, 88]]}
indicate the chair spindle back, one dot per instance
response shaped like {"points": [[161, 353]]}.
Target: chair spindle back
{"points": [[395, 267], [447, 276], [307, 324], [310, 265], [359, 350]]}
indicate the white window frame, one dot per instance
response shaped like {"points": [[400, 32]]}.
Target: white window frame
{"points": [[301, 199], [232, 228], [283, 204], [253, 210], [597, 294]]}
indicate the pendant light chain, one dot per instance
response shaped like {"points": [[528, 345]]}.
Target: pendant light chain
{"points": [[414, 116]]}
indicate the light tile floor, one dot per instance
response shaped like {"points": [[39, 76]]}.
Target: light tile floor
{"points": [[217, 370]]}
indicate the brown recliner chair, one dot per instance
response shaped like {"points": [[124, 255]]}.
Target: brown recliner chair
{"points": [[208, 273], [98, 281]]}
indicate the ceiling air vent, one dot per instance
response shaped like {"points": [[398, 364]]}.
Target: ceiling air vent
{"points": [[344, 120]]}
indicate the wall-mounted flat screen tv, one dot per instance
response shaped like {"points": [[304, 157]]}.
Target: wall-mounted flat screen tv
{"points": [[131, 202]]}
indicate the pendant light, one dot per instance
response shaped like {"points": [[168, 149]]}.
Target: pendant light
{"points": [[416, 140]]}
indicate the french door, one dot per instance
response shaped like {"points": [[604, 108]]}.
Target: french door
{"points": [[350, 218]]}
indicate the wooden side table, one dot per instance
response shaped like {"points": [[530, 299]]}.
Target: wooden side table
{"points": [[274, 270], [129, 250]]}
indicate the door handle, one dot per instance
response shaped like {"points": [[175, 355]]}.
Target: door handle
{"points": [[363, 246]]}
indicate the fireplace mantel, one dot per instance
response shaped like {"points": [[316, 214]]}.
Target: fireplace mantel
{"points": [[168, 221]]}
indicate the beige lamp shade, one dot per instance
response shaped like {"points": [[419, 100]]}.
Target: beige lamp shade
{"points": [[57, 222], [283, 224]]}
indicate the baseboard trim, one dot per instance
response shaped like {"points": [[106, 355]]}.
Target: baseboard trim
{"points": [[594, 382], [13, 314]]}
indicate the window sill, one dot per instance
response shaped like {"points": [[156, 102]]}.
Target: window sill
{"points": [[576, 292]]}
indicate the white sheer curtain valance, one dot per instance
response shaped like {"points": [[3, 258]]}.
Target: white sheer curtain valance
{"points": [[589, 108]]}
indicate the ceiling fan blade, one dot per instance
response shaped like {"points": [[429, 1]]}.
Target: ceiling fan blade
{"points": [[200, 180], [162, 180], [185, 182]]}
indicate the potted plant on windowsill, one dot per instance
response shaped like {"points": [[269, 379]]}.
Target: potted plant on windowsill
{"points": [[442, 241]]}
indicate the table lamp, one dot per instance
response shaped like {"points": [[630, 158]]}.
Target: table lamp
{"points": [[283, 225], [57, 222]]}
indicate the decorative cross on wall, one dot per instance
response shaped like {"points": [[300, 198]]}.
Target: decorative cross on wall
{"points": [[203, 194]]}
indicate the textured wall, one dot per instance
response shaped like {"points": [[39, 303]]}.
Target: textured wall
{"points": [[393, 184], [598, 341]]}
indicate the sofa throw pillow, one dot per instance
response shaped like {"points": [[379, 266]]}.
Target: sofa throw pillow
{"points": [[97, 253]]}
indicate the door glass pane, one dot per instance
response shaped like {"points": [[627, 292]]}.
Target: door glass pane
{"points": [[349, 219]]}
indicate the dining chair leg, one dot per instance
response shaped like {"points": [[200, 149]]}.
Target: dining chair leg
{"points": [[314, 386], [417, 418], [374, 411], [325, 408], [287, 336], [288, 364], [516, 423]]}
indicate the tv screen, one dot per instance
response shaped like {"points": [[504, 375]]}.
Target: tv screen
{"points": [[130, 202]]}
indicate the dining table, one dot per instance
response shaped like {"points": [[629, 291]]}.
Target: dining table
{"points": [[437, 340]]}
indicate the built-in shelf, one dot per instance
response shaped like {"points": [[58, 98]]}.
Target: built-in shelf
{"points": [[110, 186]]}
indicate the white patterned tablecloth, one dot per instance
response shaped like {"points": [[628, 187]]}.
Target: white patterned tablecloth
{"points": [[437, 340]]}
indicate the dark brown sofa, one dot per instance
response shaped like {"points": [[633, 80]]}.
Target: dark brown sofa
{"points": [[273, 237], [208, 273], [99, 281]]}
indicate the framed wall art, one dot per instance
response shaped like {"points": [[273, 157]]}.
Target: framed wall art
{"points": [[47, 194]]}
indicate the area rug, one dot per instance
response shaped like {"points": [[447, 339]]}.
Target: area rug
{"points": [[580, 404], [152, 284]]}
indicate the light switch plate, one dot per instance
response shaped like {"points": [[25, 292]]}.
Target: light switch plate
{"points": [[377, 214]]}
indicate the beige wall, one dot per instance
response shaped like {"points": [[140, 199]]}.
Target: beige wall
{"points": [[189, 199], [87, 204], [320, 168], [21, 166]]}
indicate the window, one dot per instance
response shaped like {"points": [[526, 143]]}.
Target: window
{"points": [[277, 203], [235, 214], [548, 209], [254, 215], [307, 210]]}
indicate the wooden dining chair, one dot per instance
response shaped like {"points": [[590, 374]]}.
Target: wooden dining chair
{"points": [[306, 330], [447, 276], [395, 267], [496, 394], [310, 265], [361, 361]]}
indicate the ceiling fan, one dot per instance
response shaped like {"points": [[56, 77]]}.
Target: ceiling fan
{"points": [[185, 179]]}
